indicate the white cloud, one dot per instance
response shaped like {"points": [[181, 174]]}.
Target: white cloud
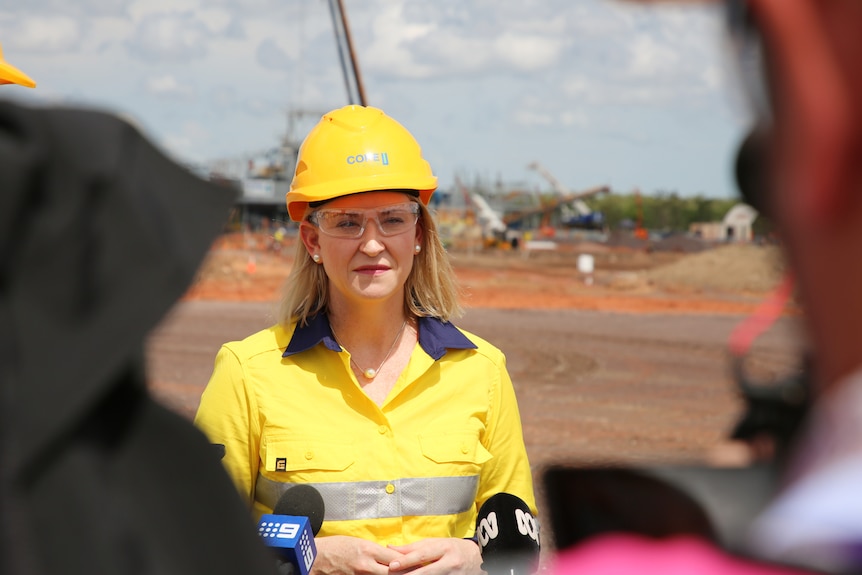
{"points": [[167, 85], [527, 52], [535, 111], [43, 34], [217, 20], [642, 56], [79, 9], [529, 118], [389, 52], [170, 37], [574, 118], [427, 41], [649, 57], [140, 9]]}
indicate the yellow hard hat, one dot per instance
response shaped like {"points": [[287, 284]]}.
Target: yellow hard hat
{"points": [[9, 74], [357, 149]]}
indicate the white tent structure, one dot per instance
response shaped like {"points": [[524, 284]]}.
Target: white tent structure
{"points": [[735, 227], [738, 223]]}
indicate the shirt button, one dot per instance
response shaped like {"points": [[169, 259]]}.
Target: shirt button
{"points": [[464, 449], [381, 429], [390, 489], [309, 454]]}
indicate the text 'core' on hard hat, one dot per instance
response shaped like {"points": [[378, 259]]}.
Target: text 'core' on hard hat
{"points": [[357, 149]]}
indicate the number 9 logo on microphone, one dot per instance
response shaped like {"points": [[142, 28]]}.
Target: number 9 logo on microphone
{"points": [[527, 524]]}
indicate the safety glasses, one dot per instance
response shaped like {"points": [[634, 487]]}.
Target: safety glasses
{"points": [[350, 223]]}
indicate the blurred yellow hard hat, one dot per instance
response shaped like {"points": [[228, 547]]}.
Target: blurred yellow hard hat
{"points": [[357, 149], [9, 74]]}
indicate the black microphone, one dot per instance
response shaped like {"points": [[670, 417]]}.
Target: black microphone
{"points": [[508, 536], [302, 500], [290, 529]]}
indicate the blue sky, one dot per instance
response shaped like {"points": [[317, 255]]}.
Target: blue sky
{"points": [[598, 91]]}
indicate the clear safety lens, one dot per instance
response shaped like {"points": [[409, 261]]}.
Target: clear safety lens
{"points": [[350, 223]]}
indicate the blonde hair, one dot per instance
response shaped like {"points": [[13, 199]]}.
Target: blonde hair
{"points": [[431, 289]]}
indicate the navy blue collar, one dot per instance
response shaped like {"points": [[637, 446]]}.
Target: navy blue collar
{"points": [[435, 337]]}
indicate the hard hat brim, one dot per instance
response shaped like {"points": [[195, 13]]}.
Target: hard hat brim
{"points": [[9, 74], [298, 200]]}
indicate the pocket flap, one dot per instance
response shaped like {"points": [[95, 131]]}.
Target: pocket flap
{"points": [[281, 453], [454, 446]]}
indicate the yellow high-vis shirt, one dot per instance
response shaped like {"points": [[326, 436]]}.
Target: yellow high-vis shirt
{"points": [[288, 409]]}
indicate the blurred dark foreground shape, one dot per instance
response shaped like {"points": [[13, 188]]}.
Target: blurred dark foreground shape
{"points": [[100, 234], [715, 504], [668, 520]]}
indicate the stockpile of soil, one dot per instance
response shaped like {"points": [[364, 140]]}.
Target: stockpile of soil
{"points": [[736, 268]]}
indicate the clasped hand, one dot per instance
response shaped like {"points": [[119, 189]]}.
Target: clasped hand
{"points": [[342, 555]]}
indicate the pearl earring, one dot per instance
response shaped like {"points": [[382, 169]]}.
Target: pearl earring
{"points": [[316, 258], [418, 248]]}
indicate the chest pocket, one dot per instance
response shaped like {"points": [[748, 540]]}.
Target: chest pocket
{"points": [[454, 447], [287, 453]]}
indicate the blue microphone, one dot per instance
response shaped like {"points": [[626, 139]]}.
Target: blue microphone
{"points": [[290, 529]]}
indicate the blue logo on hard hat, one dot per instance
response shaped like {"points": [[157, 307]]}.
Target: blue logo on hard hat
{"points": [[382, 157]]}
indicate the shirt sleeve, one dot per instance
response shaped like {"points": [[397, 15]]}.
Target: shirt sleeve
{"points": [[509, 470], [227, 416]]}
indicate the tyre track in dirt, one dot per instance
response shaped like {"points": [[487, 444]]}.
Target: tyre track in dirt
{"points": [[615, 387]]}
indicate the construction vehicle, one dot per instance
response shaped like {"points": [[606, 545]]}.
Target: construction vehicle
{"points": [[495, 231], [574, 212]]}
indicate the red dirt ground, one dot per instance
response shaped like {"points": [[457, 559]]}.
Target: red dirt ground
{"points": [[248, 267]]}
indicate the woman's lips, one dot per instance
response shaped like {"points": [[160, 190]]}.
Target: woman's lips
{"points": [[371, 270]]}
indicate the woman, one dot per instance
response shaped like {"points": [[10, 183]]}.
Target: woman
{"points": [[363, 389]]}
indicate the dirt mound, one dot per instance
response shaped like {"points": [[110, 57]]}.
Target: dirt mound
{"points": [[681, 243], [737, 268]]}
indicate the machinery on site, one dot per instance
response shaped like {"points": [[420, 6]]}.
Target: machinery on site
{"points": [[494, 229], [574, 212]]}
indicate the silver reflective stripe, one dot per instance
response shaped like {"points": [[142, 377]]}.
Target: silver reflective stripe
{"points": [[379, 499]]}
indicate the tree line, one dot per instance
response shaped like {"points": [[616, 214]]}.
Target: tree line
{"points": [[664, 211]]}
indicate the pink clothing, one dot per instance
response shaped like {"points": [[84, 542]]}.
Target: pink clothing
{"points": [[626, 554]]}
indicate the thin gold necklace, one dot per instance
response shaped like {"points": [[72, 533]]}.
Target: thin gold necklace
{"points": [[371, 373]]}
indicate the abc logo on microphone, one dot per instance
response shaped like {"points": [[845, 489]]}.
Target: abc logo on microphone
{"points": [[489, 528], [508, 536]]}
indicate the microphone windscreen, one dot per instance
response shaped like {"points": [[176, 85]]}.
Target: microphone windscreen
{"points": [[302, 501], [508, 535]]}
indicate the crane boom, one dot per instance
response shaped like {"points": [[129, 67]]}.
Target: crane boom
{"points": [[586, 218], [346, 52]]}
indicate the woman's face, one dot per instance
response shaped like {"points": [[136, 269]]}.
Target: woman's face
{"points": [[372, 266]]}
